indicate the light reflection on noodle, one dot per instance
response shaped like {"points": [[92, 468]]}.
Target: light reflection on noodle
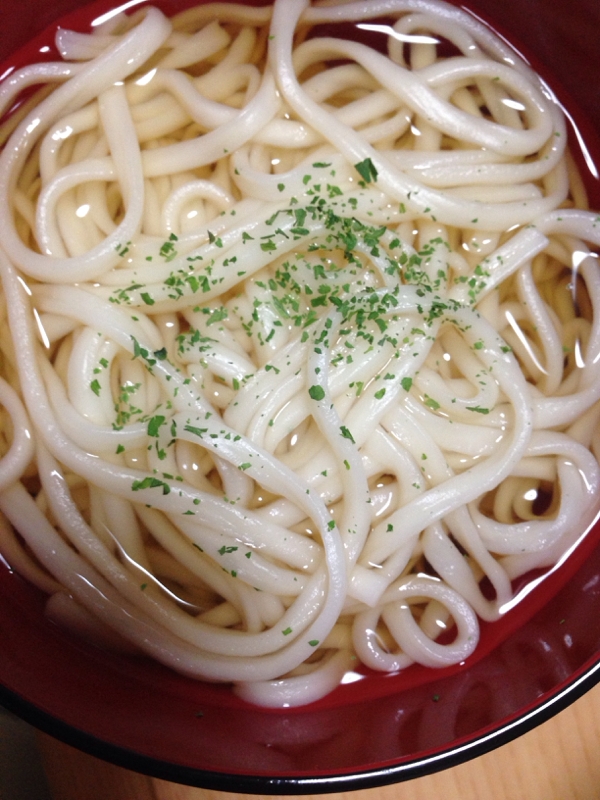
{"points": [[300, 340]]}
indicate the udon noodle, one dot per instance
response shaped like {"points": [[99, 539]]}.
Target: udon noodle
{"points": [[300, 337]]}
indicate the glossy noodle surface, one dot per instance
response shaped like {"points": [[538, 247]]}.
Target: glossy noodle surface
{"points": [[300, 340]]}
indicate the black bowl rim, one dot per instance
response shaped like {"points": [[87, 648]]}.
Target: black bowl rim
{"points": [[446, 757]]}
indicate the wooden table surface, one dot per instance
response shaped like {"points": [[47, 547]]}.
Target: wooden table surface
{"points": [[559, 760]]}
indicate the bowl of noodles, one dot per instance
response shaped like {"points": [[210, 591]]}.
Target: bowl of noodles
{"points": [[300, 320]]}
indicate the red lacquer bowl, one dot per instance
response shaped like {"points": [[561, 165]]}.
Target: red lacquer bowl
{"points": [[371, 731]]}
